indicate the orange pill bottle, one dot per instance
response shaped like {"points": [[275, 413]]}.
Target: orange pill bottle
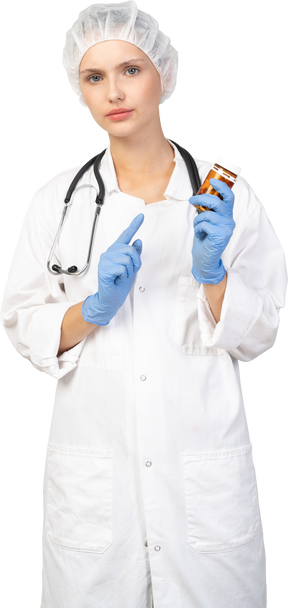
{"points": [[223, 170]]}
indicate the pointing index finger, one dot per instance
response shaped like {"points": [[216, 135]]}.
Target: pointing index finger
{"points": [[126, 236]]}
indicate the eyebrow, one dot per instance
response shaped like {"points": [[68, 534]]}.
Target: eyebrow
{"points": [[120, 65]]}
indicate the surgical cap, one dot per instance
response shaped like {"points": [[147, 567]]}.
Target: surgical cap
{"points": [[121, 21]]}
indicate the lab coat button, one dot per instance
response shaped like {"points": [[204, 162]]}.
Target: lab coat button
{"points": [[148, 463], [141, 289], [146, 544], [143, 378], [157, 548]]}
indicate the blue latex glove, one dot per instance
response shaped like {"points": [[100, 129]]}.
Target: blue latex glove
{"points": [[213, 230], [117, 270]]}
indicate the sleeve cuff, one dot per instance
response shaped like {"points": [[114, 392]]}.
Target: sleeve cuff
{"points": [[45, 339], [241, 308]]}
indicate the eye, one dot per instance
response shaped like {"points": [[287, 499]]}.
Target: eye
{"points": [[96, 76], [132, 69]]}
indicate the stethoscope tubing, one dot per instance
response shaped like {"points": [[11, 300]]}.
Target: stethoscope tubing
{"points": [[99, 200], [73, 269]]}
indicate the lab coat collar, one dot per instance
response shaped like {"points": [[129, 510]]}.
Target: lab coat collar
{"points": [[179, 186]]}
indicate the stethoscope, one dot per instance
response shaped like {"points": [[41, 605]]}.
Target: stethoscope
{"points": [[99, 200]]}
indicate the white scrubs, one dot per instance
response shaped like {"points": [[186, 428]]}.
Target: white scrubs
{"points": [[149, 483]]}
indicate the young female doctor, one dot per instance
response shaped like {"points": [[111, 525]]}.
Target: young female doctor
{"points": [[150, 492]]}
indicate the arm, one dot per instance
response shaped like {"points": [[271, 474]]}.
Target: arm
{"points": [[215, 296], [74, 328]]}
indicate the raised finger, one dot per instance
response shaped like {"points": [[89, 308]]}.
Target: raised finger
{"points": [[126, 236]]}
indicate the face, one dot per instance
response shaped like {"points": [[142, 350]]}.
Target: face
{"points": [[106, 85]]}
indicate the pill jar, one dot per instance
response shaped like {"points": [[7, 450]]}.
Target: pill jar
{"points": [[223, 170]]}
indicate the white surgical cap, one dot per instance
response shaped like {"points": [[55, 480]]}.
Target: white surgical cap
{"points": [[121, 21]]}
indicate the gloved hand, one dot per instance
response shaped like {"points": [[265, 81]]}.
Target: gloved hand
{"points": [[213, 230], [117, 270]]}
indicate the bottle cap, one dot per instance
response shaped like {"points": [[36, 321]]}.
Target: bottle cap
{"points": [[226, 164]]}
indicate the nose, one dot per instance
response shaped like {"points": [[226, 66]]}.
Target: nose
{"points": [[114, 91]]}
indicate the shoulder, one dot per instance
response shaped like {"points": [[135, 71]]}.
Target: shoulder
{"points": [[48, 200], [59, 177]]}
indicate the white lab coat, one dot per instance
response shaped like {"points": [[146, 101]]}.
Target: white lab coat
{"points": [[149, 482]]}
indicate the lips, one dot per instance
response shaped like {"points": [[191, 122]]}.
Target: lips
{"points": [[118, 111]]}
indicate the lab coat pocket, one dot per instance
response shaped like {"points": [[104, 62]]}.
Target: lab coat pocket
{"points": [[187, 331], [79, 498], [221, 498]]}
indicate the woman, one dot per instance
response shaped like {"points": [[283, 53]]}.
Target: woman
{"points": [[150, 492]]}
